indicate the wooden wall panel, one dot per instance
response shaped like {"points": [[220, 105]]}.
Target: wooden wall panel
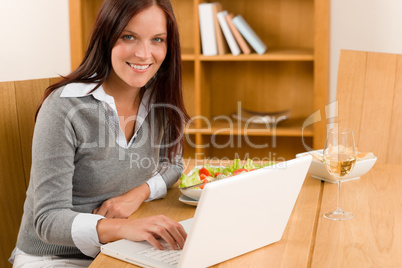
{"points": [[369, 92], [28, 95], [18, 103], [350, 90], [377, 107], [394, 155], [12, 183]]}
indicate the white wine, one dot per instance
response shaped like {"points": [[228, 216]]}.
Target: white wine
{"points": [[339, 160], [339, 165]]}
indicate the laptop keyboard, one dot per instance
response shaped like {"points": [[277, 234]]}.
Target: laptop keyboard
{"points": [[168, 255]]}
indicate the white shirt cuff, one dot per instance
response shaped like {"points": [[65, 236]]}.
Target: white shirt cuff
{"points": [[84, 233], [157, 187]]}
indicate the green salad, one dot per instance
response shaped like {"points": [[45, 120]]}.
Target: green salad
{"points": [[208, 173]]}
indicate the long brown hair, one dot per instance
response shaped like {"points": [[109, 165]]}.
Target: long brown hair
{"points": [[166, 88]]}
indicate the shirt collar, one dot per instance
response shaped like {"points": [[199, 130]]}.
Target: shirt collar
{"points": [[76, 90]]}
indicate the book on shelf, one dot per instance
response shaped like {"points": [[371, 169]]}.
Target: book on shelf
{"points": [[237, 35], [220, 39], [207, 29], [234, 48], [248, 33]]}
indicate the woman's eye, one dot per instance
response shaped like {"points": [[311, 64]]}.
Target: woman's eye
{"points": [[128, 37], [158, 40]]}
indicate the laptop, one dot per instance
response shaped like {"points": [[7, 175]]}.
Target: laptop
{"points": [[234, 216]]}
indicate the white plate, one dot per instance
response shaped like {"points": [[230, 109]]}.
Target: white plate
{"points": [[332, 181], [193, 193], [318, 171], [187, 200]]}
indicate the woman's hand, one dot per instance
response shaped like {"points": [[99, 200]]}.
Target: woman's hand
{"points": [[124, 205], [149, 229]]}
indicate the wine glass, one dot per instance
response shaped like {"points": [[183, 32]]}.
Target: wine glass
{"points": [[339, 159]]}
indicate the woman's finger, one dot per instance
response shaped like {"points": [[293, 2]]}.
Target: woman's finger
{"points": [[101, 211], [176, 235], [165, 235], [154, 242], [180, 235], [172, 232]]}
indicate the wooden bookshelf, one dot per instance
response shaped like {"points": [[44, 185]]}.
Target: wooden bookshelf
{"points": [[292, 74]]}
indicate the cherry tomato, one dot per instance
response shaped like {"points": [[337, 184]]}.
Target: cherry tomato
{"points": [[203, 177], [205, 171], [203, 185], [217, 173]]}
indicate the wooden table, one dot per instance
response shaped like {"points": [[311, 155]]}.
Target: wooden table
{"points": [[373, 238]]}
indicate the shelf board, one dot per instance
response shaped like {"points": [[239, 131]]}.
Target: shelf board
{"points": [[187, 54], [274, 54], [288, 128], [187, 57]]}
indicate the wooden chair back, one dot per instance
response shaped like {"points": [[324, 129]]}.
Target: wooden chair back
{"points": [[369, 94], [18, 103]]}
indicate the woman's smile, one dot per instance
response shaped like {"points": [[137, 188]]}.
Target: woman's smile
{"points": [[139, 67]]}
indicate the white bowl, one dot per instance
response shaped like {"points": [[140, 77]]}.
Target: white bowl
{"points": [[193, 193], [317, 168]]}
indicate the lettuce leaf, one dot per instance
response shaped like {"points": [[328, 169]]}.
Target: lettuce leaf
{"points": [[232, 167], [193, 179], [249, 165]]}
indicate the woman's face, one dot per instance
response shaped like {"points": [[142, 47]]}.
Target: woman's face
{"points": [[140, 49]]}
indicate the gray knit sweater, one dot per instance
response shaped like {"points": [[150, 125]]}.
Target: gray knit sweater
{"points": [[77, 165]]}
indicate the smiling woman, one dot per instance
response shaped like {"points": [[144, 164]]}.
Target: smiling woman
{"points": [[138, 53], [136, 58], [125, 98]]}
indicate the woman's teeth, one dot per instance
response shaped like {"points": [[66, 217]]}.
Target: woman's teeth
{"points": [[139, 67]]}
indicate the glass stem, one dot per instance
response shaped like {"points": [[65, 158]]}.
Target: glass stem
{"points": [[338, 197]]}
